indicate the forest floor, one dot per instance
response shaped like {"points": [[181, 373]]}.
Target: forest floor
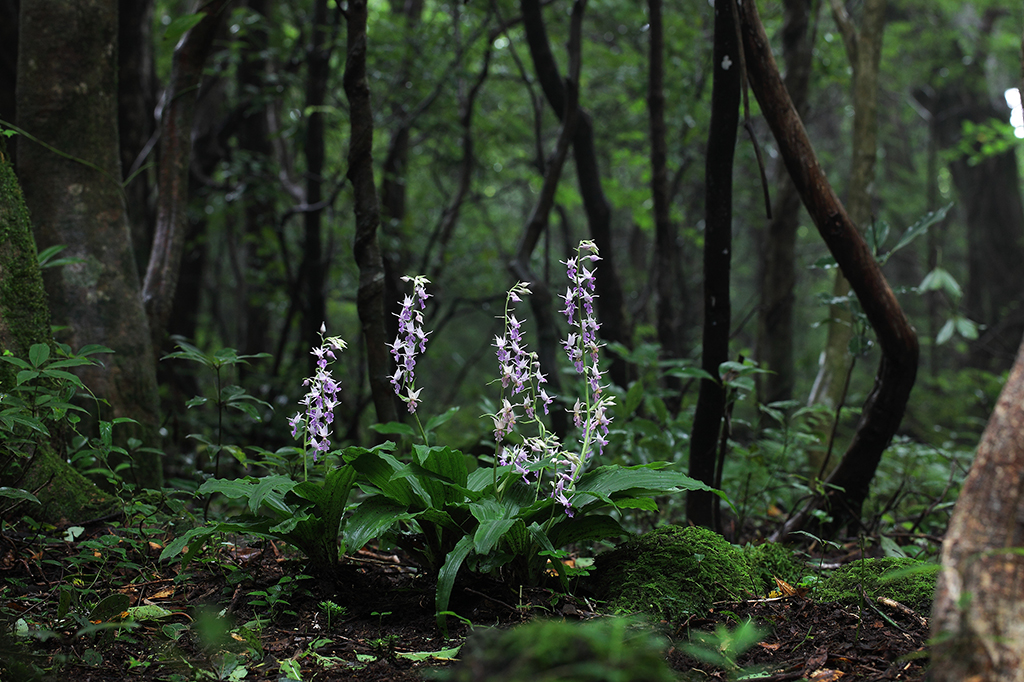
{"points": [[249, 614]]}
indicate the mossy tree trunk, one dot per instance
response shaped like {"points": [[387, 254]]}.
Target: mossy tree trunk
{"points": [[67, 99], [25, 320]]}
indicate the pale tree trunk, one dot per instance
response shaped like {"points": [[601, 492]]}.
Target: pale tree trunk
{"points": [[67, 98], [164, 264], [978, 613], [864, 49], [24, 321]]}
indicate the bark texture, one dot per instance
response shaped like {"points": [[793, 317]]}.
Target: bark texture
{"points": [[978, 613], [67, 98], [884, 407], [24, 313], [701, 505], [370, 298]]}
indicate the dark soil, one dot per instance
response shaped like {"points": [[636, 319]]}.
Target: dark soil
{"points": [[387, 631]]}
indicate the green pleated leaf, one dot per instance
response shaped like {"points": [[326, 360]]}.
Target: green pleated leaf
{"points": [[446, 579]]}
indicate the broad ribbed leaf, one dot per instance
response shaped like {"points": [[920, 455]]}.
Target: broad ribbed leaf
{"points": [[489, 533], [379, 472], [590, 527], [609, 480], [371, 519], [440, 419], [446, 579], [268, 490]]}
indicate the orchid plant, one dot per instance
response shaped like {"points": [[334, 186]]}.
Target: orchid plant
{"points": [[305, 514], [505, 519]]}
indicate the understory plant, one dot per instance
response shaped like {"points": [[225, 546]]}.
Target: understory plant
{"points": [[306, 514], [508, 519]]}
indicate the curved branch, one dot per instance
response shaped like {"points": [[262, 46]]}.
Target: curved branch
{"points": [[884, 407]]}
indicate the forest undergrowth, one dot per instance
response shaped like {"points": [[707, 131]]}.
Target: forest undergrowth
{"points": [[408, 559]]}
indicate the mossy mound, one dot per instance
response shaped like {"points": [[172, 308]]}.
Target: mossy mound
{"points": [[673, 572], [609, 649], [772, 560], [909, 581]]}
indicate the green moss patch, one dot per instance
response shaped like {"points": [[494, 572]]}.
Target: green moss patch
{"points": [[772, 560], [674, 572], [909, 581]]}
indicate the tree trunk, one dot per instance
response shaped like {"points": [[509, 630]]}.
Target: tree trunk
{"points": [[136, 123], [539, 223], [8, 60], [370, 297], [978, 613], [24, 312], [667, 276], [610, 306], [24, 321], [318, 61], [701, 506], [775, 315], [67, 98], [863, 50], [884, 407]]}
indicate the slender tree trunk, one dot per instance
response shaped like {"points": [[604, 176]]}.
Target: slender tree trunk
{"points": [[318, 64], [978, 613], [666, 251], [136, 103], [775, 315], [539, 222], [725, 115], [67, 97], [252, 289], [884, 407], [370, 298], [172, 175], [990, 194], [611, 309], [863, 49]]}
